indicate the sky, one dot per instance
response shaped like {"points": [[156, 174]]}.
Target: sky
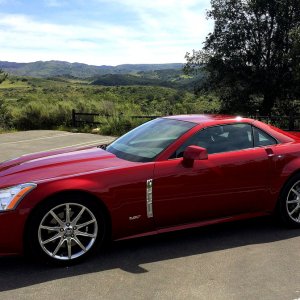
{"points": [[102, 32]]}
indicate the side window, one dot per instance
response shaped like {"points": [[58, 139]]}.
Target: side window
{"points": [[261, 138], [218, 139], [239, 136]]}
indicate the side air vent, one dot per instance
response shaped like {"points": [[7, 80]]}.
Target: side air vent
{"points": [[149, 198]]}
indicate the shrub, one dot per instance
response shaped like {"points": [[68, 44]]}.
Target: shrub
{"points": [[118, 125]]}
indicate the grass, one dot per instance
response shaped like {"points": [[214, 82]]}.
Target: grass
{"points": [[12, 84], [2, 130], [36, 103]]}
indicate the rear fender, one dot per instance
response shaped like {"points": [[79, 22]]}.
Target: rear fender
{"points": [[285, 170]]}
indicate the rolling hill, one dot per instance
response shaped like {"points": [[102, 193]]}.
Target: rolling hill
{"points": [[53, 68], [167, 78]]}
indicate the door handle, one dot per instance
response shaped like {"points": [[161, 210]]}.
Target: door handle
{"points": [[270, 152]]}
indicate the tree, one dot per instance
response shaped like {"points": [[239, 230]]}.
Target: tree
{"points": [[252, 56]]}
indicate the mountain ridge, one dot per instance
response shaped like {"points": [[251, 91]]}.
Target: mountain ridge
{"points": [[55, 68]]}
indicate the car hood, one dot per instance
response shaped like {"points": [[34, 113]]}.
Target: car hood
{"points": [[55, 164]]}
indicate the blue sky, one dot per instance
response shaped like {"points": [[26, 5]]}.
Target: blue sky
{"points": [[102, 32]]}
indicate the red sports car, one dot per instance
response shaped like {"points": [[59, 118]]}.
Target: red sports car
{"points": [[170, 173]]}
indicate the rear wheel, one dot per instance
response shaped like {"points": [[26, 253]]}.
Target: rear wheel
{"points": [[289, 206], [66, 230]]}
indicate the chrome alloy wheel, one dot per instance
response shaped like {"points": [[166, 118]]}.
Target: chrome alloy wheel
{"points": [[293, 202], [67, 231]]}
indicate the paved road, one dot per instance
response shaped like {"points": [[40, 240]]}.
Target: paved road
{"points": [[19, 143], [255, 259]]}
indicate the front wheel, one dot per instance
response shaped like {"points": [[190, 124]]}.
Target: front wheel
{"points": [[66, 231], [289, 205]]}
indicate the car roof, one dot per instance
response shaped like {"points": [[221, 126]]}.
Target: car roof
{"points": [[207, 120], [210, 119]]}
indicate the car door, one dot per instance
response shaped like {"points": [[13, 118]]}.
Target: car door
{"points": [[233, 180]]}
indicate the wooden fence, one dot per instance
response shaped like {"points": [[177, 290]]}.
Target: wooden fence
{"points": [[81, 118]]}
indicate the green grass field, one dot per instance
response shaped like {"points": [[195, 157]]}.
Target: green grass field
{"points": [[36, 103]]}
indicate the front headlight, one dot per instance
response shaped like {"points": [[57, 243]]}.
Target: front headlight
{"points": [[10, 197]]}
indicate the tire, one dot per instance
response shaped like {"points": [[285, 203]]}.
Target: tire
{"points": [[62, 238], [289, 203]]}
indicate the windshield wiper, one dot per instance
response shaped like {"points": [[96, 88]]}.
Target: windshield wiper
{"points": [[104, 146]]}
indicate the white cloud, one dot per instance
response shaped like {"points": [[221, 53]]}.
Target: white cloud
{"points": [[182, 22], [166, 30]]}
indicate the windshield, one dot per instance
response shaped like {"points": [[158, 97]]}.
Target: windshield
{"points": [[145, 142]]}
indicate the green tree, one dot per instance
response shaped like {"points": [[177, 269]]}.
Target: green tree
{"points": [[252, 56]]}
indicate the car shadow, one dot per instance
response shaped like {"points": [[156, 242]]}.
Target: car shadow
{"points": [[18, 272]]}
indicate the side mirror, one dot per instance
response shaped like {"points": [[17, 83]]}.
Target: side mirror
{"points": [[192, 153]]}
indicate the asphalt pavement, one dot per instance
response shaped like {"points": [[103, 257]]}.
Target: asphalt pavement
{"points": [[255, 259], [16, 144]]}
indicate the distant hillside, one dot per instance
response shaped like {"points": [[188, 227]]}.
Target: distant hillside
{"points": [[127, 79], [167, 78], [55, 68]]}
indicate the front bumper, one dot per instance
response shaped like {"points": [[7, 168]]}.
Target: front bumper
{"points": [[12, 225]]}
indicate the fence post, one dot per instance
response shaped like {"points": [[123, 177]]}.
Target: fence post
{"points": [[73, 118], [291, 121]]}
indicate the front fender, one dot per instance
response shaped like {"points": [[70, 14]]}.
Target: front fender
{"points": [[121, 191], [48, 189]]}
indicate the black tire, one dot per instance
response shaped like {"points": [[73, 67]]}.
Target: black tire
{"points": [[56, 237], [289, 203]]}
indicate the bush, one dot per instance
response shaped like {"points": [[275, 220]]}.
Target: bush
{"points": [[118, 125], [37, 115], [5, 116]]}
